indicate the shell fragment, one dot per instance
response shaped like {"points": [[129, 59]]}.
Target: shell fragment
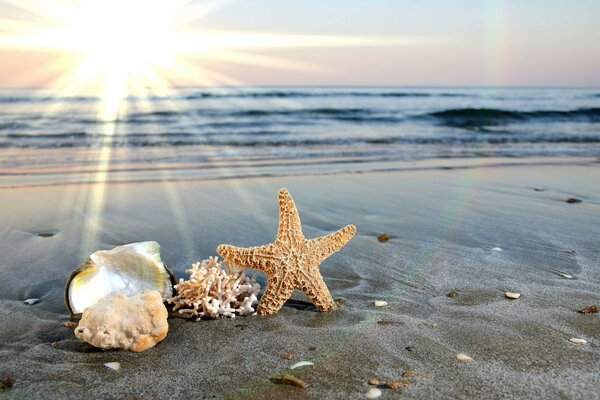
{"points": [[373, 393], [115, 365], [301, 364], [463, 357], [577, 341], [512, 295], [380, 303]]}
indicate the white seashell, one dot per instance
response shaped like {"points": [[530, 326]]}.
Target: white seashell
{"points": [[380, 303], [566, 276], [31, 301], [577, 341], [463, 357], [497, 248], [373, 393], [301, 364], [129, 269], [512, 295], [115, 365]]}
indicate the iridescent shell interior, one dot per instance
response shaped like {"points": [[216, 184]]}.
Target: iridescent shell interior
{"points": [[130, 269]]}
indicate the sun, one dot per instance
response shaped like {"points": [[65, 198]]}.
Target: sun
{"points": [[123, 37]]}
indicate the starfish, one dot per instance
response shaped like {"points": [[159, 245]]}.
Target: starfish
{"points": [[291, 261]]}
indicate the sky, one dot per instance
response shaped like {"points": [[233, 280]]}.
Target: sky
{"points": [[317, 42]]}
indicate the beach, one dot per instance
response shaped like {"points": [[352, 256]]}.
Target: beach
{"points": [[477, 226]]}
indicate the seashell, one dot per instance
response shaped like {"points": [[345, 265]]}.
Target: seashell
{"points": [[301, 364], [566, 276], [373, 393], [512, 295], [463, 357], [380, 303], [577, 341], [115, 365], [497, 248], [129, 269], [31, 301]]}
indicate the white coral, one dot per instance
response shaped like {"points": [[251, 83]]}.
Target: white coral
{"points": [[133, 323], [215, 290]]}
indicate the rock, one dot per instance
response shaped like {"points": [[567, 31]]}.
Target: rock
{"points": [[397, 384], [383, 237], [512, 295], [373, 393], [289, 355], [6, 383], [573, 200], [119, 322], [374, 382], [291, 380], [538, 189], [589, 310], [380, 303], [452, 293], [31, 301], [408, 374]]}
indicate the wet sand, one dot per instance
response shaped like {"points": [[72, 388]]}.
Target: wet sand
{"points": [[444, 222]]}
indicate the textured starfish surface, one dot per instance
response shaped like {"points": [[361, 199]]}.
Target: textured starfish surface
{"points": [[291, 261]]}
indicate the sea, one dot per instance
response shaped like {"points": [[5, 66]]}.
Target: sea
{"points": [[296, 128]]}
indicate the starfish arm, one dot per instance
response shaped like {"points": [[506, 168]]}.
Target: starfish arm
{"points": [[315, 289], [290, 228], [276, 293], [262, 258], [325, 246]]}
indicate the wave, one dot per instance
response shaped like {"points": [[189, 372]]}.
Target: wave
{"points": [[267, 138], [309, 94], [7, 99], [481, 117]]}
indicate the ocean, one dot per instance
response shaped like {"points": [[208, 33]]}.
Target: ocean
{"points": [[307, 126]]}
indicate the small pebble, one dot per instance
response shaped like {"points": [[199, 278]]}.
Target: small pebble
{"points": [[374, 382], [409, 348], [408, 374], [589, 310], [497, 248], [566, 276], [70, 324], [577, 341], [512, 295], [383, 237], [463, 357], [573, 200], [31, 301], [312, 348], [452, 293], [291, 380], [538, 189], [6, 383], [380, 303], [113, 365], [46, 234], [397, 384], [373, 393], [288, 355]]}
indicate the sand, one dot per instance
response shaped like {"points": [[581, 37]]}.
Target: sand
{"points": [[444, 223]]}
